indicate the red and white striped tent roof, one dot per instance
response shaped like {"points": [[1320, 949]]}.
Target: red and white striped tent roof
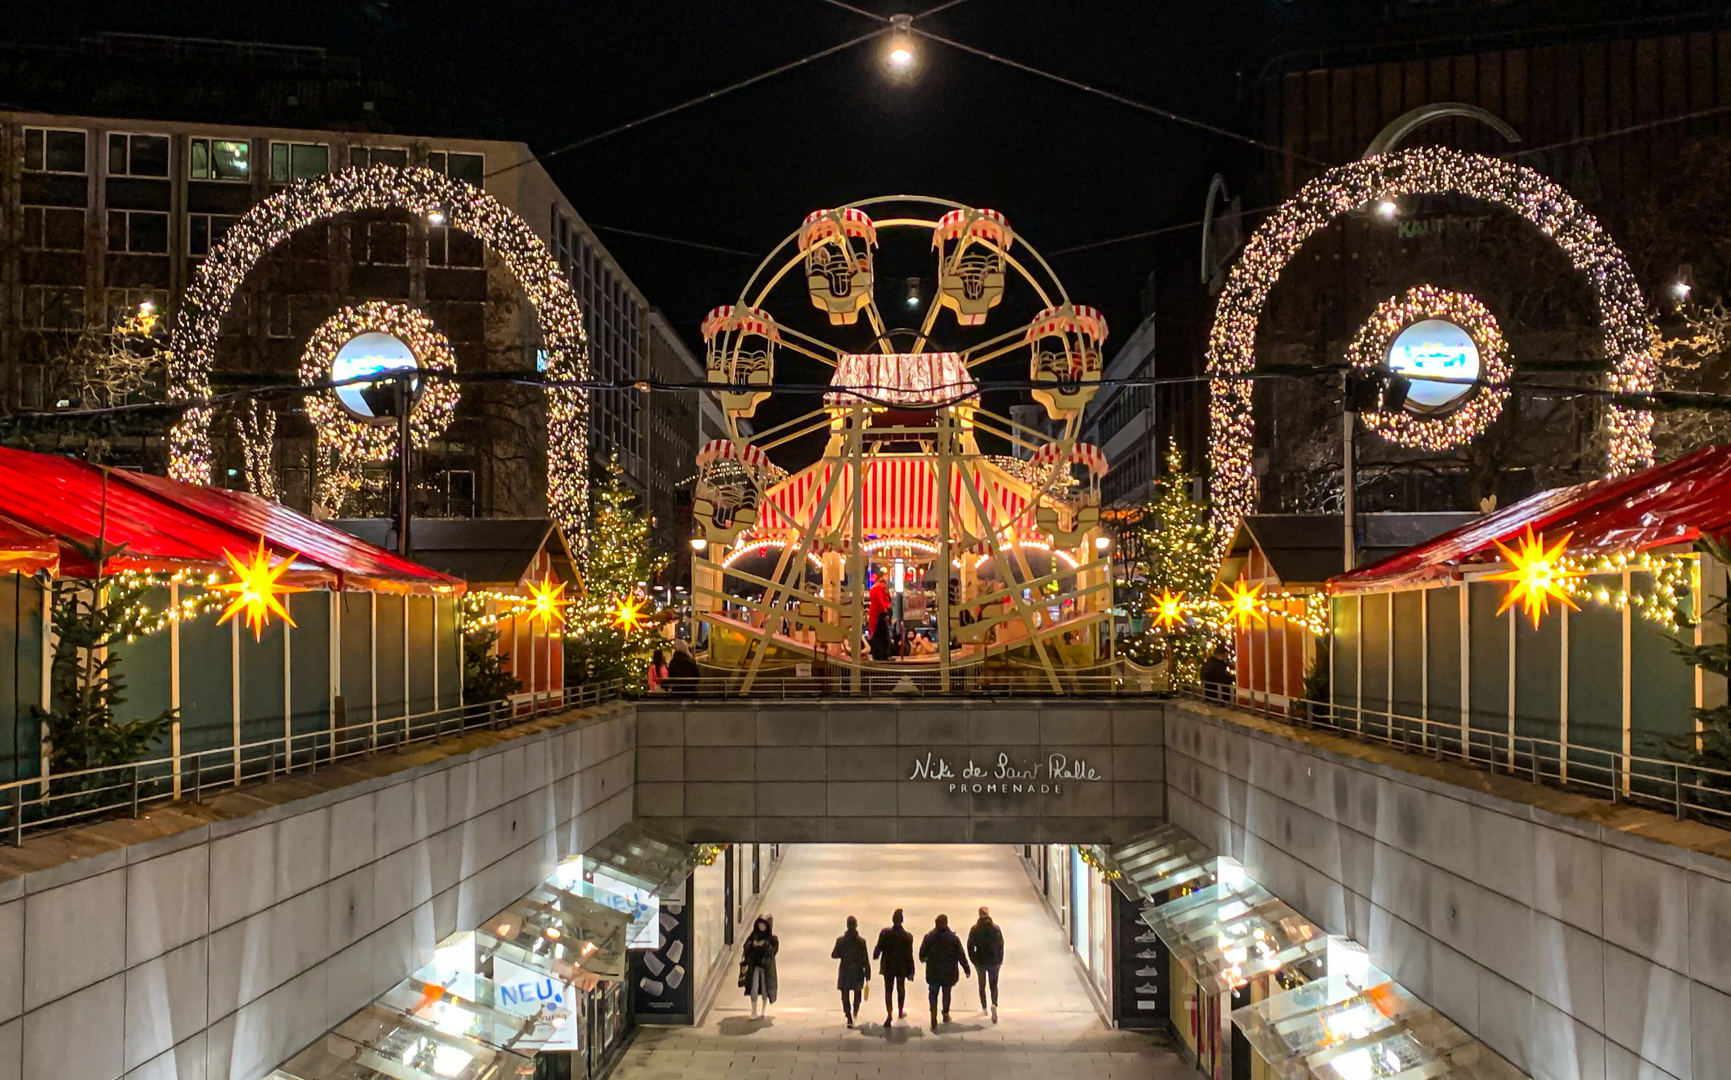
{"points": [[730, 317], [820, 225], [985, 224], [1068, 318], [906, 379], [744, 453], [1081, 454], [899, 494]]}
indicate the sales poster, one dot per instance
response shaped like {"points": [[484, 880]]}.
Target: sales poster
{"points": [[661, 979], [1140, 981]]}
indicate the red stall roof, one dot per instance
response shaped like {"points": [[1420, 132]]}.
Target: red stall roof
{"points": [[166, 526], [1674, 503], [25, 550]]}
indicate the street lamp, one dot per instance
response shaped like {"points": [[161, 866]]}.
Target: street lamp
{"points": [[698, 543], [1387, 210], [436, 218], [899, 53]]}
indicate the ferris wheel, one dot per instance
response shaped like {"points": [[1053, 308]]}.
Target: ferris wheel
{"points": [[902, 480]]}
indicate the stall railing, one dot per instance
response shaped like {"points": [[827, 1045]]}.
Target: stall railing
{"points": [[1115, 679], [65, 798], [1686, 790]]}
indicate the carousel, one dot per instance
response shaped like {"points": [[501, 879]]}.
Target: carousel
{"points": [[885, 508]]}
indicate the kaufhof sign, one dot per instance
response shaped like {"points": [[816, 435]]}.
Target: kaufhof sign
{"points": [[1006, 776]]}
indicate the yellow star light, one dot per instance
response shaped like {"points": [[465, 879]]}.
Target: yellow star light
{"points": [[547, 601], [628, 614], [1168, 609], [256, 588], [1241, 601], [1536, 575]]}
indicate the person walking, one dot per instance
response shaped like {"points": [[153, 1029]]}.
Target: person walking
{"points": [[986, 950], [854, 971], [1217, 675], [941, 952], [757, 965], [895, 956]]}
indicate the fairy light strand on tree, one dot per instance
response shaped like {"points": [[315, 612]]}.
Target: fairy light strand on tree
{"points": [[1356, 185], [422, 192]]}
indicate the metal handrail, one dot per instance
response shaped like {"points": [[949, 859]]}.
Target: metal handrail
{"points": [[1105, 679], [33, 804], [1688, 791]]}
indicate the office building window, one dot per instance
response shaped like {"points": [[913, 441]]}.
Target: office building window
{"points": [[50, 150], [204, 230], [362, 157], [137, 155], [277, 323], [218, 159], [53, 228], [139, 231], [381, 242], [471, 168], [298, 161], [53, 307], [453, 247]]}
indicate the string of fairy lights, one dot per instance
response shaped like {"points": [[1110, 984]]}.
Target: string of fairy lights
{"points": [[344, 443], [1382, 180], [1462, 424], [443, 202]]}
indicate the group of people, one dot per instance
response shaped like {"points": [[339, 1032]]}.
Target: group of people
{"points": [[945, 957], [677, 675]]}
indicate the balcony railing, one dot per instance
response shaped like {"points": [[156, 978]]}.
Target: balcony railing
{"points": [[1687, 791], [67, 798], [920, 680]]}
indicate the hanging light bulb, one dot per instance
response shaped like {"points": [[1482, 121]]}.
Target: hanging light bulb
{"points": [[899, 52], [913, 292]]}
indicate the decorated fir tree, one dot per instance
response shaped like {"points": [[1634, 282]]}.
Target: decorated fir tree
{"points": [[1168, 556], [609, 628]]}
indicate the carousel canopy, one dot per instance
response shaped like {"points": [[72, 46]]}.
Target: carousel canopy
{"points": [[899, 497], [164, 526], [1674, 503], [908, 380]]}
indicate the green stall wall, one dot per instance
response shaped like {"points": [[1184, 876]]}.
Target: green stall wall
{"points": [[20, 676]]}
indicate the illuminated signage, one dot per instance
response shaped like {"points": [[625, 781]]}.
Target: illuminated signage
{"points": [[1439, 349], [371, 353]]}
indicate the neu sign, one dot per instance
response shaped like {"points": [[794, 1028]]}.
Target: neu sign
{"points": [[1006, 777]]}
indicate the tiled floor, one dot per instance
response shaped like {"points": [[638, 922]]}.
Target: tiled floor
{"points": [[1047, 1028]]}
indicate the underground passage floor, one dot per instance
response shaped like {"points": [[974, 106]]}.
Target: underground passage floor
{"points": [[1047, 1025]]}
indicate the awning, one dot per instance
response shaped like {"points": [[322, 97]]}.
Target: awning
{"points": [[1673, 503], [162, 525], [1158, 861], [559, 924], [377, 1043], [1233, 930], [474, 1006], [653, 860]]}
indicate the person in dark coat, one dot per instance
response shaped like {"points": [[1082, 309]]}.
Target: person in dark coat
{"points": [[986, 950], [854, 970], [682, 673], [895, 956], [942, 953], [757, 965], [1217, 675]]}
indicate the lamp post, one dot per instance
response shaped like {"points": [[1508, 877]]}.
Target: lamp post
{"points": [[404, 448]]}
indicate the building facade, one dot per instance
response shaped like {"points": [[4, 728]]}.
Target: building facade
{"points": [[100, 215]]}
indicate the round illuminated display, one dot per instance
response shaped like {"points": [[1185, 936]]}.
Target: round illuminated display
{"points": [[1434, 349], [372, 353], [1427, 331]]}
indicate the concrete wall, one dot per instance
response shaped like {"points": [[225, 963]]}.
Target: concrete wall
{"points": [[1544, 923], [218, 951], [844, 772]]}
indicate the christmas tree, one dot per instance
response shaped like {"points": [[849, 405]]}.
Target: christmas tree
{"points": [[610, 629], [1168, 556]]}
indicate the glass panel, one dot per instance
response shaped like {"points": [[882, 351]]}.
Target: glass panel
{"points": [[199, 159], [229, 160], [467, 167], [149, 155], [310, 161], [117, 155], [556, 925], [381, 1044], [279, 162], [633, 852], [65, 151]]}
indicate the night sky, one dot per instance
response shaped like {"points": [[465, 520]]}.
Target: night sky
{"points": [[741, 171]]}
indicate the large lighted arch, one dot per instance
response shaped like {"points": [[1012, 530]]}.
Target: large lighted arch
{"points": [[1358, 184], [422, 192]]}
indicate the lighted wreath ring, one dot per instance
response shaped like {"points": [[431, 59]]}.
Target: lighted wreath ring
{"points": [[356, 440], [1473, 415], [422, 192], [1357, 185]]}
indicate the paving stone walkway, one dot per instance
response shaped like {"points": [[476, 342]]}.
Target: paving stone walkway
{"points": [[1048, 1026]]}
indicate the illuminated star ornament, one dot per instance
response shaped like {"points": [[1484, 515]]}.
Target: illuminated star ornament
{"points": [[256, 589], [1536, 574], [628, 614], [1169, 609], [547, 601], [1241, 598]]}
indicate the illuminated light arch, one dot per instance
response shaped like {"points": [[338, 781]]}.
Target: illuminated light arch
{"points": [[756, 546], [345, 442], [1358, 184], [422, 192]]}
